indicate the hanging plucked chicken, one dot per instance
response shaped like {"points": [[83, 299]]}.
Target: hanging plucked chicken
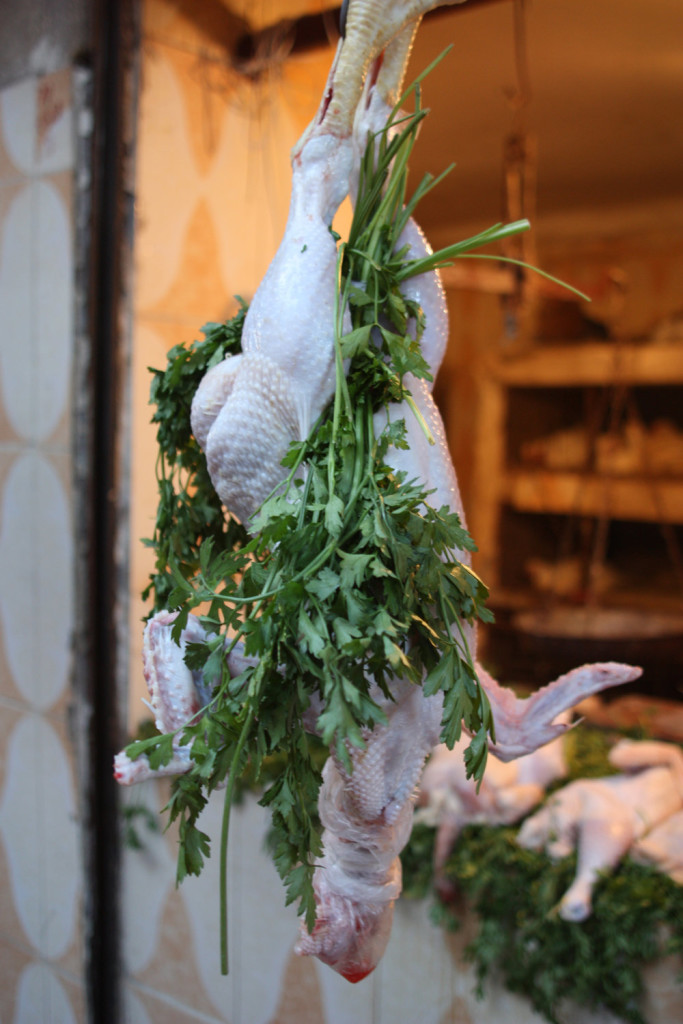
{"points": [[297, 377]]}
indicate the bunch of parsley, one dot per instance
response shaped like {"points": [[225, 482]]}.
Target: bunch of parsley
{"points": [[188, 509], [352, 578]]}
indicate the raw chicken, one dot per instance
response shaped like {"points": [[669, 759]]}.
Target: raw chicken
{"points": [[523, 724], [663, 847], [367, 814], [367, 819], [358, 878], [176, 693], [603, 818], [247, 411], [449, 801], [249, 408]]}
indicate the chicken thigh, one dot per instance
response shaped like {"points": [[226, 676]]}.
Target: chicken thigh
{"points": [[663, 847]]}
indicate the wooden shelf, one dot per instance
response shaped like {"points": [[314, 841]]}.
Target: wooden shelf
{"points": [[502, 487], [631, 498], [591, 363], [510, 600]]}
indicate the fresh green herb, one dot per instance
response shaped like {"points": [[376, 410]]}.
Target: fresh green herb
{"points": [[637, 918], [134, 815], [189, 510], [417, 860], [352, 579], [587, 753]]}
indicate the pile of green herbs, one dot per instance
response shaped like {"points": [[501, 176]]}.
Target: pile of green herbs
{"points": [[352, 578], [637, 915]]}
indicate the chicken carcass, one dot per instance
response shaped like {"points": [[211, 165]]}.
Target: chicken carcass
{"points": [[250, 407], [449, 801], [663, 847], [603, 818], [246, 412]]}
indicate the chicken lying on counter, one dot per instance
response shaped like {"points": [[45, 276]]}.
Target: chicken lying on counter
{"points": [[663, 847], [247, 411], [449, 801], [604, 818]]}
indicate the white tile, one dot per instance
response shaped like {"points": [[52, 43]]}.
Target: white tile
{"points": [[18, 122], [36, 119], [36, 583], [201, 897], [16, 355], [148, 877], [345, 1003], [41, 998], [52, 309], [36, 297], [416, 975], [267, 928], [40, 833]]}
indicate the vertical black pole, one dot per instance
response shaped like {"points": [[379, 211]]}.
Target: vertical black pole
{"points": [[114, 56]]}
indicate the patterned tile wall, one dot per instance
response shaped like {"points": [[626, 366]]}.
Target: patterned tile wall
{"points": [[41, 935]]}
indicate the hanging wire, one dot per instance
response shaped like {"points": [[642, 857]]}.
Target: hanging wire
{"points": [[519, 181], [521, 98]]}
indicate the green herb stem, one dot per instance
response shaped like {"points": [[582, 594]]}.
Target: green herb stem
{"points": [[410, 401], [526, 266], [225, 831], [494, 234]]}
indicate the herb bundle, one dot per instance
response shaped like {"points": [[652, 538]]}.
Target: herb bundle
{"points": [[352, 578]]}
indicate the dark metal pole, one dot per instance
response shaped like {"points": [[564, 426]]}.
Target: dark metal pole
{"points": [[114, 59]]}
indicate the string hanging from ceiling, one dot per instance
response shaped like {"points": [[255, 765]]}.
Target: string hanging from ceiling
{"points": [[520, 160]]}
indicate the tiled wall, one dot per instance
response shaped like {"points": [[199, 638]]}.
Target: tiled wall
{"points": [[41, 935]]}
